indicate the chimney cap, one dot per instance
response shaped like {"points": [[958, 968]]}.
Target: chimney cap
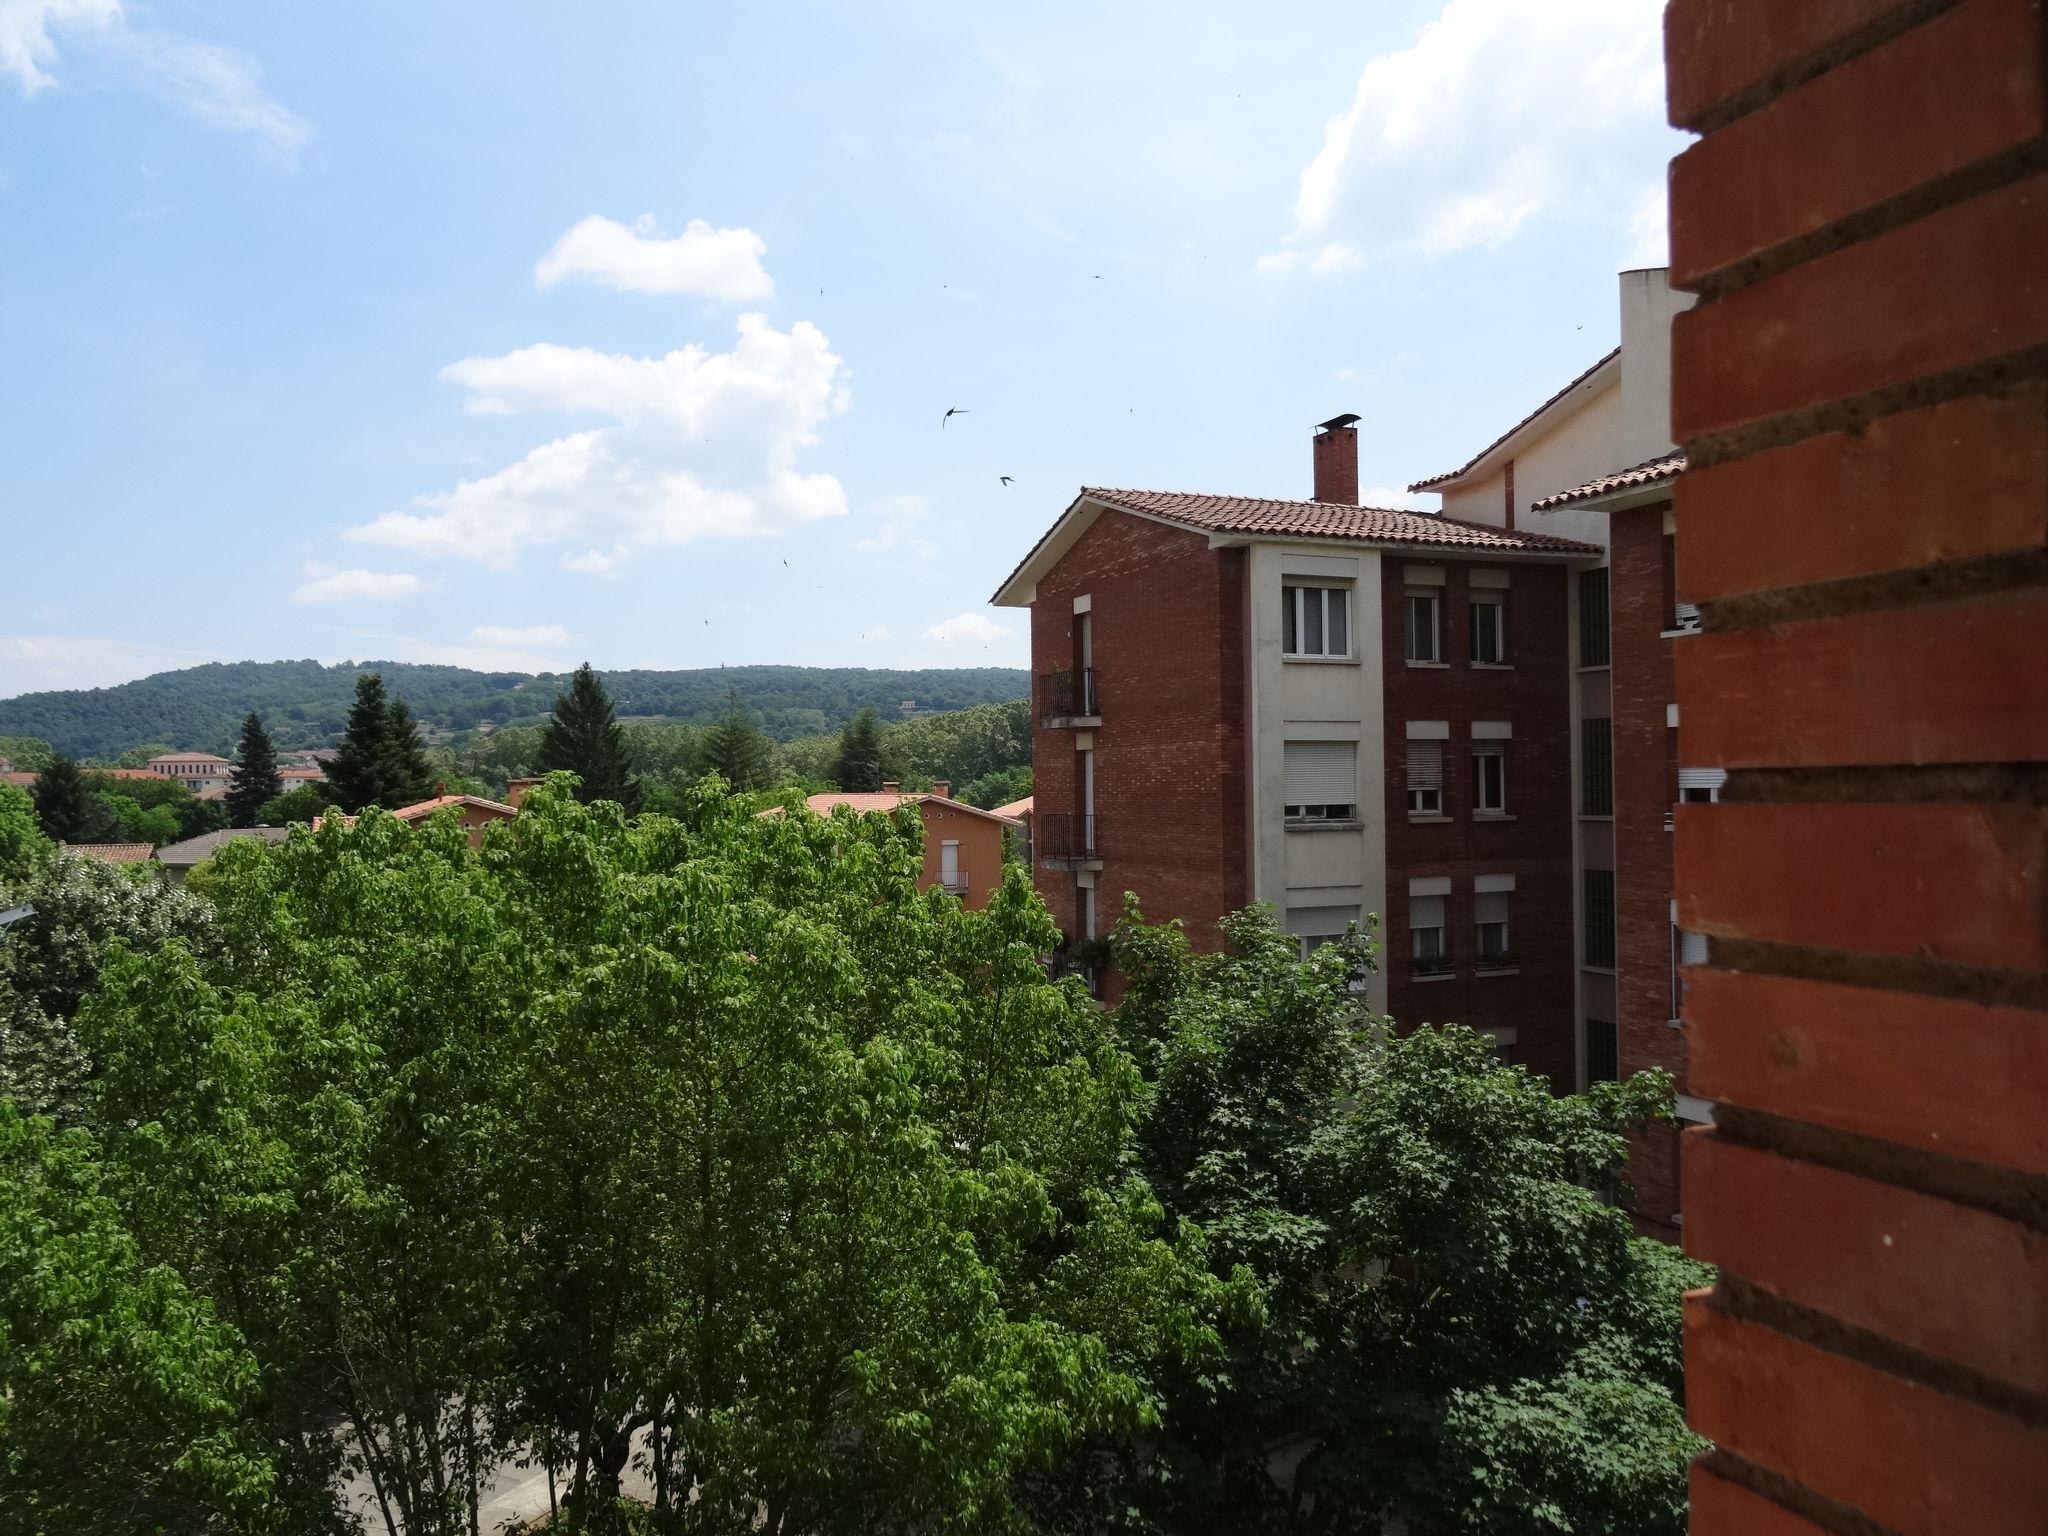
{"points": [[1337, 421]]}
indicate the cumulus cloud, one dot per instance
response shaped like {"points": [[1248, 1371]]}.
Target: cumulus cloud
{"points": [[520, 634], [708, 263], [1502, 112], [325, 584], [704, 445], [30, 663], [1398, 498], [218, 86], [968, 626], [899, 524]]}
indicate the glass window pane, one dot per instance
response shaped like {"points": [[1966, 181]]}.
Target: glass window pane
{"points": [[1312, 622], [1340, 628], [1290, 627]]}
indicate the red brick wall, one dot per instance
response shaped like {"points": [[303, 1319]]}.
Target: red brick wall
{"points": [[1865, 526], [1535, 847], [1169, 617], [1645, 786]]}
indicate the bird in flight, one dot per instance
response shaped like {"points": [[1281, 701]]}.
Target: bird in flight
{"points": [[1004, 478], [951, 412]]}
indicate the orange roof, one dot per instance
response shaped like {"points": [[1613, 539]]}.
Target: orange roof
{"points": [[1329, 520], [1650, 473], [1016, 808], [428, 807], [126, 773], [886, 800], [25, 780], [112, 853]]}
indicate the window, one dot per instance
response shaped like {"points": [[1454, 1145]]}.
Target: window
{"points": [[1489, 778], [1489, 630], [1490, 925], [1420, 608], [1313, 927], [1686, 949], [1701, 786], [1593, 647], [1425, 778], [1598, 891], [1596, 767], [1603, 1064], [1321, 780], [1427, 953], [1315, 621], [1685, 618]]}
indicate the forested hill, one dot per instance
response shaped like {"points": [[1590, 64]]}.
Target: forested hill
{"points": [[305, 703]]}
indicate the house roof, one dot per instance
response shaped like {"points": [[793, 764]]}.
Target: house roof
{"points": [[25, 780], [125, 773], [1016, 808], [1586, 384], [111, 853], [1651, 472], [308, 774], [191, 757], [1267, 517], [886, 800], [428, 807], [207, 844]]}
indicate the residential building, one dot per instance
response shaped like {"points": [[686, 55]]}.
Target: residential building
{"points": [[111, 853], [177, 859], [195, 770], [293, 777], [1595, 462], [963, 844], [474, 811], [1019, 811], [1342, 711]]}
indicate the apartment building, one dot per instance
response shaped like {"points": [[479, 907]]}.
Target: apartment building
{"points": [[1338, 710], [963, 844], [197, 771], [1595, 462]]}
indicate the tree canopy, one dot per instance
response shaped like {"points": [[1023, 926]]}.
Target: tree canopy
{"points": [[858, 767], [381, 761], [584, 738], [253, 782], [736, 750]]}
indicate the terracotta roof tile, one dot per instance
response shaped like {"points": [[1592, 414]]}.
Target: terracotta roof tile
{"points": [[1016, 808], [1436, 480], [112, 853], [1329, 520], [1650, 472], [428, 807], [884, 800]]}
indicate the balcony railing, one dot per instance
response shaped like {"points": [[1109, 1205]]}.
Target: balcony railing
{"points": [[1497, 960], [955, 880], [1059, 837], [1429, 965], [1068, 696]]}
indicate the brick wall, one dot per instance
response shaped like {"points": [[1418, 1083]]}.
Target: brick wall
{"points": [[1645, 786], [1169, 617], [1535, 847], [1861, 394]]}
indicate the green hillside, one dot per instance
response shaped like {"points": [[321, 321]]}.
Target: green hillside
{"points": [[305, 704]]}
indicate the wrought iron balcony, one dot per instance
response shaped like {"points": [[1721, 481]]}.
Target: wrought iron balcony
{"points": [[1063, 838], [1066, 698]]}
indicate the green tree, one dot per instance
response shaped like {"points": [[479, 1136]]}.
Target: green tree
{"points": [[128, 798], [69, 809], [994, 789], [735, 750], [29, 754], [151, 824], [23, 848], [361, 770], [1459, 1333], [408, 778], [859, 765], [583, 738], [254, 781], [303, 803]]}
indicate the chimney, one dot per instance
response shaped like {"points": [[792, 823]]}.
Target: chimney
{"points": [[889, 787], [943, 788], [515, 790], [1336, 455]]}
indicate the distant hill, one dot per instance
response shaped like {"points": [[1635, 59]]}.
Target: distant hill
{"points": [[305, 704]]}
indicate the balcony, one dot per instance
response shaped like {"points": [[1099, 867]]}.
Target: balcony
{"points": [[958, 881], [1065, 841], [1068, 699]]}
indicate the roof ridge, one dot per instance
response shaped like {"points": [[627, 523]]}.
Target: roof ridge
{"points": [[1435, 480]]}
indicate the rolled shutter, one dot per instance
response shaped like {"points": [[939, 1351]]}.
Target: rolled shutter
{"points": [[1702, 778], [1425, 765], [1321, 772], [1692, 948], [1425, 912], [1490, 907], [1488, 748]]}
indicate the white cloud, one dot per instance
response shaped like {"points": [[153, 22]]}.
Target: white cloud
{"points": [[706, 262], [527, 634], [218, 86], [328, 585], [705, 446], [968, 626], [1501, 112], [1398, 498], [30, 663], [899, 524], [1650, 230]]}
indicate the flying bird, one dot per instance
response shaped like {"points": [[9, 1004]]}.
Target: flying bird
{"points": [[951, 412], [1004, 478]]}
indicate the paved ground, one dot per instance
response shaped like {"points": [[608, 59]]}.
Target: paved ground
{"points": [[511, 1496]]}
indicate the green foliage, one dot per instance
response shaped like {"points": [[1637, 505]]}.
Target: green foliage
{"points": [[995, 789], [254, 782], [407, 778], [69, 810], [22, 845], [29, 754], [858, 767], [1458, 1334], [381, 761], [152, 824], [305, 803], [735, 750], [963, 746], [583, 738], [122, 1397], [139, 756], [306, 704]]}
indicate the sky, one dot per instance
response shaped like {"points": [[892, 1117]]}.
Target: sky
{"points": [[515, 334]]}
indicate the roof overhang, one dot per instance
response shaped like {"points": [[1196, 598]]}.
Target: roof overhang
{"points": [[1020, 590], [1546, 418], [1409, 547], [1618, 500]]}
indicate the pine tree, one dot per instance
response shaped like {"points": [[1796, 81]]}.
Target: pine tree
{"points": [[584, 737], [860, 754], [67, 807], [255, 779], [359, 771], [408, 776], [734, 750]]}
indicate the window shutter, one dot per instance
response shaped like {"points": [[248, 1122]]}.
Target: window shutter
{"points": [[1320, 922], [1425, 765], [1702, 778], [1487, 748], [1425, 912], [1685, 616], [1490, 907], [1692, 948], [1321, 772]]}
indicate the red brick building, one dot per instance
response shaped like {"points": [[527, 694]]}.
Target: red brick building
{"points": [[1343, 711]]}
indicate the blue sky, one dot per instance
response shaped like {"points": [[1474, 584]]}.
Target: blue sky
{"points": [[517, 334]]}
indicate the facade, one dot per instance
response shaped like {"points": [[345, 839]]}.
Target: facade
{"points": [[963, 844], [1596, 461], [195, 770], [1345, 712]]}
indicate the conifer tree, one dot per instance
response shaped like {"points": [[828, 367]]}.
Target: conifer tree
{"points": [[734, 749], [408, 776], [67, 807], [859, 767], [585, 738], [255, 779], [359, 772]]}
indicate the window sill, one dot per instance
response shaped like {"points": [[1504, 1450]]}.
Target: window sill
{"points": [[1492, 816], [1599, 970], [1435, 976], [1431, 666], [1320, 661], [1072, 722], [1321, 824], [1673, 634], [1604, 666], [1420, 819], [1498, 970], [1492, 666], [1591, 816], [1674, 1023]]}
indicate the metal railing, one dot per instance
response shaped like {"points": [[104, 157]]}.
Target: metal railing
{"points": [[1066, 836], [1068, 695], [955, 880]]}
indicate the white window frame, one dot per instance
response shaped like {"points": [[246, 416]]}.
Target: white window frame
{"points": [[1497, 601], [1294, 598], [1441, 947], [1435, 630], [1425, 800], [1328, 810]]}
